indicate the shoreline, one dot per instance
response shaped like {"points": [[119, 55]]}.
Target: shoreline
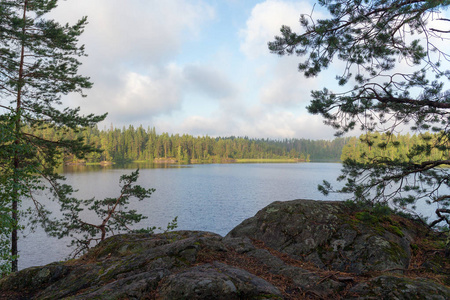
{"points": [[195, 161]]}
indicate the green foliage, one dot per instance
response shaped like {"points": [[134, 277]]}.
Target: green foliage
{"points": [[139, 144], [381, 210], [367, 217], [377, 216], [172, 225], [396, 230], [386, 148], [373, 214], [38, 64], [6, 225], [393, 76], [112, 214]]}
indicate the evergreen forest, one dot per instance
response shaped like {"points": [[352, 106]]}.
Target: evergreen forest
{"points": [[139, 144], [146, 145], [416, 148]]}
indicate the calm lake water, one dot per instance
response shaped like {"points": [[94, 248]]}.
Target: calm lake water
{"points": [[210, 197]]}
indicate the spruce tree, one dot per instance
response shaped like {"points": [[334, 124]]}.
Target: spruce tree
{"points": [[394, 72], [39, 61]]}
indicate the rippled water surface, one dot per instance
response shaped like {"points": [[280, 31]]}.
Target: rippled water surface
{"points": [[210, 197]]}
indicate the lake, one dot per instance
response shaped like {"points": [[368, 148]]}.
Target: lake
{"points": [[209, 197]]}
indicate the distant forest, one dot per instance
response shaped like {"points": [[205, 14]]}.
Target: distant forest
{"points": [[406, 148], [139, 144]]}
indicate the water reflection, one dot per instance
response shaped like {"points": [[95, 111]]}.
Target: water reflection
{"points": [[210, 197], [132, 165]]}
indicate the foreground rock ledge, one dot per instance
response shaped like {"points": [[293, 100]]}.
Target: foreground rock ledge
{"points": [[289, 250]]}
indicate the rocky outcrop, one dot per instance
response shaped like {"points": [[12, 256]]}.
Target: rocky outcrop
{"points": [[326, 235], [138, 266], [289, 250]]}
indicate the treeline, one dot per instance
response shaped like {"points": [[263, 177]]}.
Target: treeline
{"points": [[408, 148], [139, 144]]}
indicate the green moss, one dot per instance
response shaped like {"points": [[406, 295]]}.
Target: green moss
{"points": [[396, 252], [110, 247], [433, 243], [128, 249], [366, 217], [379, 229], [114, 270], [181, 261], [69, 261], [380, 223], [352, 205], [353, 223], [271, 210], [373, 222], [441, 244], [396, 230]]}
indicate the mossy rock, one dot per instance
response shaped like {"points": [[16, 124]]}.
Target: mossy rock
{"points": [[328, 234], [401, 288], [290, 250]]}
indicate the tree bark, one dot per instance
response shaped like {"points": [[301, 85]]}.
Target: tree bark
{"points": [[16, 162]]}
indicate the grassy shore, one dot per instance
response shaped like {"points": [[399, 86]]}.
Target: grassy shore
{"points": [[102, 163], [268, 160], [237, 161]]}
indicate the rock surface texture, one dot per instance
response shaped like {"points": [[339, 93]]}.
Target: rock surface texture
{"points": [[299, 249], [323, 234]]}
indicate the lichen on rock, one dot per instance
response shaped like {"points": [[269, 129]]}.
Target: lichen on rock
{"points": [[288, 250], [320, 232]]}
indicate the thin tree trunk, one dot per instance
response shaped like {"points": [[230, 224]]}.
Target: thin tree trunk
{"points": [[15, 199], [14, 251]]}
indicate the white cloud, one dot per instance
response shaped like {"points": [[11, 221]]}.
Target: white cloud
{"points": [[142, 98], [138, 98], [141, 75], [286, 124], [138, 32], [209, 81], [265, 22], [256, 122], [146, 96], [287, 87], [282, 86], [131, 47]]}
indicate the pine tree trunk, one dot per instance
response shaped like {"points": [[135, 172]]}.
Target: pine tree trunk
{"points": [[15, 200]]}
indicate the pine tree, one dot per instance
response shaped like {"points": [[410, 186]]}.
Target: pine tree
{"points": [[38, 64], [373, 38]]}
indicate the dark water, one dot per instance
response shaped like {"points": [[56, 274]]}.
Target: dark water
{"points": [[210, 197]]}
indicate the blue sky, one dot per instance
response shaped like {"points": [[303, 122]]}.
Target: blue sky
{"points": [[192, 66], [195, 66]]}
